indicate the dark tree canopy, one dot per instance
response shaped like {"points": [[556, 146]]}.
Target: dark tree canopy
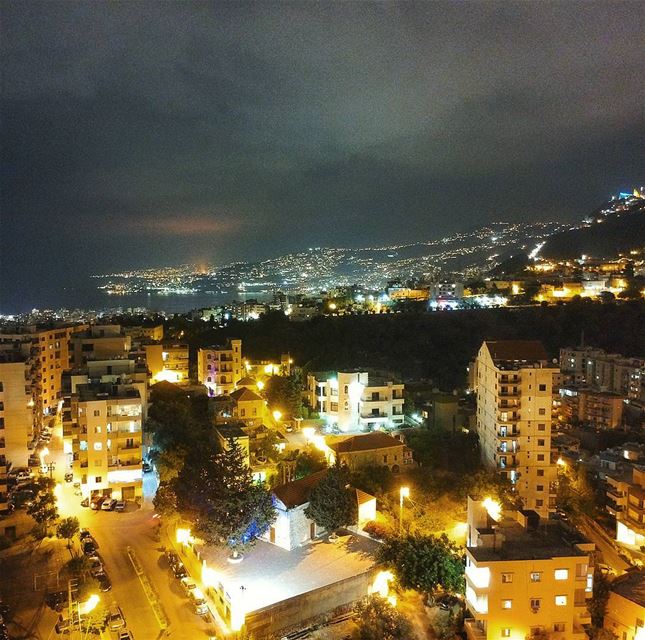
{"points": [[425, 563], [332, 503], [218, 495], [379, 620]]}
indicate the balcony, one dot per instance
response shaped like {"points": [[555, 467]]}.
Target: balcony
{"points": [[115, 463], [374, 416], [129, 447], [508, 449], [474, 629], [509, 394], [508, 433], [614, 493], [613, 508]]}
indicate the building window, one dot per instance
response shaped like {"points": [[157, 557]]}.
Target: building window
{"points": [[539, 503], [535, 604], [536, 576], [540, 487], [83, 445], [97, 429], [540, 442], [561, 601], [507, 578], [542, 412], [540, 457], [98, 446], [506, 633], [559, 627], [97, 412], [98, 479], [507, 604], [561, 574], [540, 472], [542, 387], [541, 427]]}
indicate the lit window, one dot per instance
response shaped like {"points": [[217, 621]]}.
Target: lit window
{"points": [[561, 601], [559, 627], [536, 576], [535, 604], [507, 578], [98, 446], [97, 429], [506, 633], [507, 604], [562, 574]]}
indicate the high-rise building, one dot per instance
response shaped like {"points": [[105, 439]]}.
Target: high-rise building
{"points": [[99, 342], [525, 578], [514, 382], [220, 367], [105, 425]]}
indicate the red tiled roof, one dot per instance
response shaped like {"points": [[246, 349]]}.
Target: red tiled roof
{"points": [[293, 494], [366, 442], [245, 395]]}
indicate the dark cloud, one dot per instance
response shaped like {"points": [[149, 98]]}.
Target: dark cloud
{"points": [[240, 130]]}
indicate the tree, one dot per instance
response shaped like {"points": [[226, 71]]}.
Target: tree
{"points": [[309, 462], [598, 603], [425, 563], [379, 620], [332, 504], [224, 504], [43, 509], [285, 394], [67, 528], [165, 500]]}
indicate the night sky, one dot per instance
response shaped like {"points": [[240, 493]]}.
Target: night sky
{"points": [[151, 133]]}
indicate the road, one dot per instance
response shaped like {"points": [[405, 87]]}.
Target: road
{"points": [[603, 544], [135, 528]]}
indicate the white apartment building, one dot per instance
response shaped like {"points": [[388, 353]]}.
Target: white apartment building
{"points": [[220, 367], [356, 401], [525, 579], [106, 421], [514, 385]]}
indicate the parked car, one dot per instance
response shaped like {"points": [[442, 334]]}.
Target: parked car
{"points": [[125, 635], [146, 467], [179, 571], [171, 557], [96, 502], [198, 601], [104, 581], [108, 504], [84, 533], [116, 620], [120, 505], [23, 475], [187, 585], [85, 502], [89, 546], [69, 476], [96, 566], [56, 600]]}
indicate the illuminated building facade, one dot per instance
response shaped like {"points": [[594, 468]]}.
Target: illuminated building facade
{"points": [[514, 383], [354, 400], [626, 501], [99, 342], [376, 449], [106, 421], [220, 367], [168, 362], [525, 579], [625, 612]]}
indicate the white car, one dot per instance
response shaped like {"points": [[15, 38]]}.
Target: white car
{"points": [[187, 585], [198, 601]]}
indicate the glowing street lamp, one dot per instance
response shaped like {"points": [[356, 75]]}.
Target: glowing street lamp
{"points": [[404, 492], [277, 415], [89, 604], [260, 385]]}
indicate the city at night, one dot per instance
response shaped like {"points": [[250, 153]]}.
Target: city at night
{"points": [[322, 320]]}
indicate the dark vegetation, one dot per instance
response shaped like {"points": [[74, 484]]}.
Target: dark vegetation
{"points": [[437, 346]]}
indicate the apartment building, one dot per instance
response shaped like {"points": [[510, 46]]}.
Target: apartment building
{"points": [[599, 409], [625, 612], [514, 385], [49, 353], [168, 362], [100, 341], [106, 431], [525, 578], [124, 371], [356, 400], [16, 407], [220, 367], [150, 331], [626, 501], [374, 449], [248, 407], [574, 362]]}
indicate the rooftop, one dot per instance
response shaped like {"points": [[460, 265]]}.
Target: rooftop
{"points": [[631, 585], [293, 494], [245, 395], [549, 540], [231, 430], [103, 391], [270, 574], [513, 350], [366, 442]]}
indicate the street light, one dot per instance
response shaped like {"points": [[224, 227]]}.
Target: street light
{"points": [[404, 492], [277, 415]]}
